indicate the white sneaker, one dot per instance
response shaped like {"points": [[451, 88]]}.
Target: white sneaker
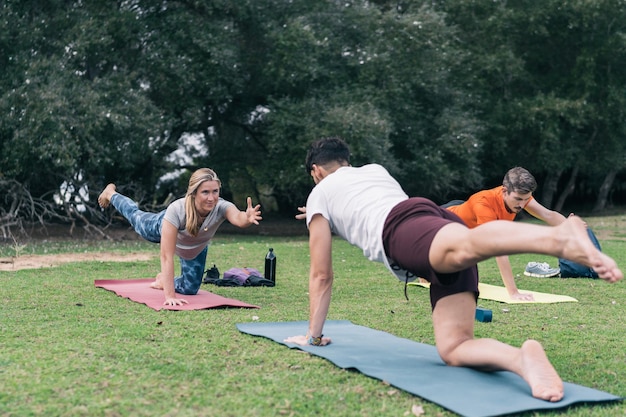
{"points": [[541, 270]]}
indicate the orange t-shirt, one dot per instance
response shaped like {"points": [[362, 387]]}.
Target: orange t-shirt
{"points": [[482, 207]]}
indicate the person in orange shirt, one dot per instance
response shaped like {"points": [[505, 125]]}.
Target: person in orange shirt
{"points": [[503, 203]]}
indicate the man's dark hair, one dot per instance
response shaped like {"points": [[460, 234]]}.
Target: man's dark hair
{"points": [[519, 180], [327, 150]]}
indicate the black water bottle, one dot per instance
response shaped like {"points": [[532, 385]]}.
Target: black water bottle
{"points": [[270, 265]]}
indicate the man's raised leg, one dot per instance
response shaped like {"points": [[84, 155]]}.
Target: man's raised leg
{"points": [[456, 247]]}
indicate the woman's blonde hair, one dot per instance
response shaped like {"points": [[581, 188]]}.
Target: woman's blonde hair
{"points": [[197, 178]]}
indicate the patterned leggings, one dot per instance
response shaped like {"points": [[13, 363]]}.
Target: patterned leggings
{"points": [[148, 226]]}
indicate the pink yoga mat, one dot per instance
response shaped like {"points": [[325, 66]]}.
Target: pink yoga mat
{"points": [[139, 290]]}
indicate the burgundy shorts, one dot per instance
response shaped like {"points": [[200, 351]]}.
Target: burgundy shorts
{"points": [[408, 233]]}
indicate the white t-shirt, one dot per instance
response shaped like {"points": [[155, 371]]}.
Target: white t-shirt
{"points": [[188, 246], [356, 202]]}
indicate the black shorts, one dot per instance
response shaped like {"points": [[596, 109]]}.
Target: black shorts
{"points": [[408, 234]]}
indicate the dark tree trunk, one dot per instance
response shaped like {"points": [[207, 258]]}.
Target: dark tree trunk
{"points": [[569, 189], [549, 188], [603, 194]]}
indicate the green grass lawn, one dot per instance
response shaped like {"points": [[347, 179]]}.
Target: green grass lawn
{"points": [[70, 349]]}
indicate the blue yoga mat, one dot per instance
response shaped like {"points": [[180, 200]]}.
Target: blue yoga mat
{"points": [[417, 368]]}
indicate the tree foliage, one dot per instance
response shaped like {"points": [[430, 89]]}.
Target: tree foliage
{"points": [[448, 95], [551, 97]]}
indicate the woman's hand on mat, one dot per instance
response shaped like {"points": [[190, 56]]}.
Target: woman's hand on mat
{"points": [[174, 301], [304, 341]]}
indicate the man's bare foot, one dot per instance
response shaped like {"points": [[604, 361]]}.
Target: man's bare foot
{"points": [[104, 199], [579, 248], [539, 373]]}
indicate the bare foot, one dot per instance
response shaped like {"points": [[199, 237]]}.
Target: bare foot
{"points": [[104, 199], [157, 283], [579, 248], [537, 370]]}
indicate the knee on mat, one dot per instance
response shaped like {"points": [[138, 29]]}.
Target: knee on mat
{"points": [[184, 287], [449, 359], [187, 291], [448, 353]]}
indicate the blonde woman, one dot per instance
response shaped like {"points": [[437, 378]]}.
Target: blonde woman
{"points": [[190, 224]]}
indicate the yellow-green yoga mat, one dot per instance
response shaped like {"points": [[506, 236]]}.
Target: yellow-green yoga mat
{"points": [[496, 293], [417, 368]]}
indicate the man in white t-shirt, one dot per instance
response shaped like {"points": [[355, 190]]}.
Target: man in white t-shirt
{"points": [[415, 237]]}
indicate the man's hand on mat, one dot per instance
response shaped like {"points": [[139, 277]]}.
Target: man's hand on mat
{"points": [[521, 296], [174, 302], [304, 341]]}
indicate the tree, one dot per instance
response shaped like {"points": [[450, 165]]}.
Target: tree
{"points": [[448, 95], [74, 109], [385, 78], [549, 90]]}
